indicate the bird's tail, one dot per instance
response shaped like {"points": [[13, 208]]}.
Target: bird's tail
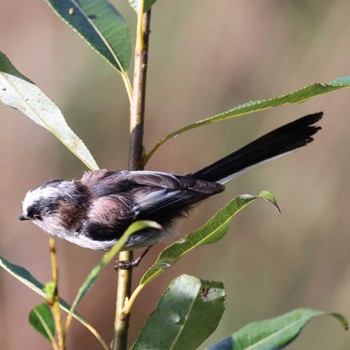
{"points": [[274, 144]]}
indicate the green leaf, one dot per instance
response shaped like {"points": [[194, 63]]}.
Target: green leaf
{"points": [[19, 92], [102, 27], [25, 277], [109, 255], [42, 320], [211, 232], [300, 95], [273, 334], [187, 313], [136, 3]]}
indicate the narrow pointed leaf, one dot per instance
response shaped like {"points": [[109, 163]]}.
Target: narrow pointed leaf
{"points": [[20, 93], [42, 321], [136, 3], [102, 27], [297, 96], [25, 277], [187, 313], [109, 255], [106, 259], [209, 233], [273, 334]]}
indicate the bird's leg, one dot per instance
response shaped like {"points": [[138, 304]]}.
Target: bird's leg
{"points": [[129, 264]]}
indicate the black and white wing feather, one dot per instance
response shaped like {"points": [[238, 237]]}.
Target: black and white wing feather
{"points": [[120, 197]]}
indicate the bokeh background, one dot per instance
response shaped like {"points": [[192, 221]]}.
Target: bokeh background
{"points": [[206, 57]]}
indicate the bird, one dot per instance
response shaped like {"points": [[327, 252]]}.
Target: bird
{"points": [[94, 212]]}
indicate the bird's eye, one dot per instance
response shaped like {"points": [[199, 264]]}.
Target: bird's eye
{"points": [[37, 217]]}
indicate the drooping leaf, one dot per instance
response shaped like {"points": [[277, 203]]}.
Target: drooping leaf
{"points": [[102, 27], [42, 320], [106, 259], [273, 334], [109, 255], [136, 3], [297, 96], [187, 313], [20, 93], [209, 233], [25, 277]]}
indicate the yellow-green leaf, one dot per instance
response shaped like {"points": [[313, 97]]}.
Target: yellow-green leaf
{"points": [[18, 92]]}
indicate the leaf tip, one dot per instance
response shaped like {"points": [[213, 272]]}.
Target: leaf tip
{"points": [[268, 196], [344, 322]]}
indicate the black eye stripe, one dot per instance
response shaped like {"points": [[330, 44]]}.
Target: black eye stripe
{"points": [[49, 205], [42, 207], [37, 217]]}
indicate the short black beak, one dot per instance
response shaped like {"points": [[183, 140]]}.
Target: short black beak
{"points": [[22, 217]]}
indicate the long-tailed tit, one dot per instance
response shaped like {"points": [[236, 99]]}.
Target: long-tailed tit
{"points": [[95, 211]]}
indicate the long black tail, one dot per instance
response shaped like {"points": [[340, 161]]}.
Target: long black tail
{"points": [[276, 143]]}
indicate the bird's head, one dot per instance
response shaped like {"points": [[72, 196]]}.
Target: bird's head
{"points": [[48, 205]]}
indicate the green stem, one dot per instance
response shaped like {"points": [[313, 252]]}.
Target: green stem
{"points": [[139, 93], [54, 303], [137, 112], [121, 323]]}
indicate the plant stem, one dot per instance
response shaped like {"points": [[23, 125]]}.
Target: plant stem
{"points": [[121, 323], [137, 112], [55, 298], [139, 93]]}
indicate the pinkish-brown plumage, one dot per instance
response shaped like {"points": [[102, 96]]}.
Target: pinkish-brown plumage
{"points": [[95, 211]]}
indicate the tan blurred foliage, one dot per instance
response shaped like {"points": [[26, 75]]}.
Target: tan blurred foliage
{"points": [[206, 57]]}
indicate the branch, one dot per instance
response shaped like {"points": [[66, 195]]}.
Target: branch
{"points": [[137, 113]]}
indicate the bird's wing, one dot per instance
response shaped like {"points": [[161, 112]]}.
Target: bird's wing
{"points": [[131, 195], [166, 195]]}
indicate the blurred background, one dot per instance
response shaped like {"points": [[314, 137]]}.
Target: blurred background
{"points": [[205, 57]]}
